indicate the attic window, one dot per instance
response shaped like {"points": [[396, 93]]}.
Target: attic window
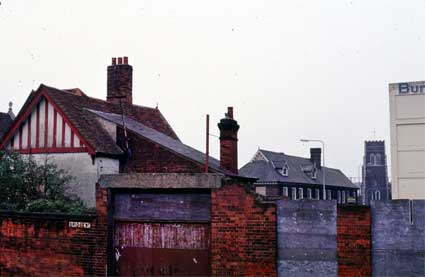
{"points": [[284, 170]]}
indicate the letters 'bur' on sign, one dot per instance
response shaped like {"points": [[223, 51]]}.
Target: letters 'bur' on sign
{"points": [[406, 88]]}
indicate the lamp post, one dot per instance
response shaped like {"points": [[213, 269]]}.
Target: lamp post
{"points": [[324, 174]]}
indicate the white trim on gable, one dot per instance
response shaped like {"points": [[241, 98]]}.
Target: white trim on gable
{"points": [[259, 156]]}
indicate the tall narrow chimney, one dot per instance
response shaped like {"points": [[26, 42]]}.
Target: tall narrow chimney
{"points": [[229, 142], [120, 81], [316, 156]]}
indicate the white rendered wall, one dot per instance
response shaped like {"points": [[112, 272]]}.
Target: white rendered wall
{"points": [[85, 173], [407, 124]]}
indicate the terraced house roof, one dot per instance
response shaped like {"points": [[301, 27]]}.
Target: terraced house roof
{"points": [[266, 167]]}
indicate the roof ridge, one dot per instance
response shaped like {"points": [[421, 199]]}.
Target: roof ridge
{"points": [[93, 98], [298, 157]]}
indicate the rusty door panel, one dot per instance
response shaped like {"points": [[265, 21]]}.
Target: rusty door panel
{"points": [[136, 261], [154, 249]]}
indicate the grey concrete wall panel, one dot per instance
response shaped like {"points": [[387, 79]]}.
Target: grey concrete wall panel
{"points": [[307, 238], [398, 238]]}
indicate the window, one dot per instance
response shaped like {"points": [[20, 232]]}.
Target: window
{"points": [[376, 195], [343, 196], [339, 197], [317, 194], [372, 159], [378, 159], [309, 193], [294, 194], [300, 193], [261, 190], [328, 194], [285, 192], [285, 170]]}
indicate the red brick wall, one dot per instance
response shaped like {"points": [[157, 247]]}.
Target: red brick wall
{"points": [[149, 157], [354, 241], [44, 244], [229, 151], [243, 233]]}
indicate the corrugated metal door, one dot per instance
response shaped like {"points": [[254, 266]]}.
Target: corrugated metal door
{"points": [[162, 234]]}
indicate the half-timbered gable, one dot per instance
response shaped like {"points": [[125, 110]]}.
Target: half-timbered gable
{"points": [[45, 129]]}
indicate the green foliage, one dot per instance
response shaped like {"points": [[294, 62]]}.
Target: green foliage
{"points": [[28, 186]]}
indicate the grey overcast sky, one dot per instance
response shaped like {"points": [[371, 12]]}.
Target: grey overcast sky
{"points": [[291, 69]]}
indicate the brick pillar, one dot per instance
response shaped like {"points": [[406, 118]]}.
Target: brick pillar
{"points": [[229, 142], [120, 81]]}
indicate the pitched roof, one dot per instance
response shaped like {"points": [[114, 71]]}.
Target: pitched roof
{"points": [[5, 122], [151, 134], [266, 170], [74, 104]]}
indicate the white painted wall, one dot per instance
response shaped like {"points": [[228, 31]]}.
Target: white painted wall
{"points": [[85, 173], [407, 125]]}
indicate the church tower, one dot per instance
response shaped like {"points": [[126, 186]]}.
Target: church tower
{"points": [[375, 174]]}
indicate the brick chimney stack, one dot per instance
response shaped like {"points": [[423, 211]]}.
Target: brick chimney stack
{"points": [[120, 81], [229, 142], [316, 156]]}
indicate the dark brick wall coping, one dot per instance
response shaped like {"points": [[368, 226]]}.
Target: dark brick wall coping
{"points": [[47, 216]]}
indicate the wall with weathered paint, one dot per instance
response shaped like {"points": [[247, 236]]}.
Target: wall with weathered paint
{"points": [[398, 238], [306, 232], [84, 171]]}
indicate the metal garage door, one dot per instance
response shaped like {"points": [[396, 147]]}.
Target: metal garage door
{"points": [[162, 234]]}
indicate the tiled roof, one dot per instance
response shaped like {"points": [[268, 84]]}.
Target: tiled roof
{"points": [[74, 103], [170, 143], [267, 171], [5, 122]]}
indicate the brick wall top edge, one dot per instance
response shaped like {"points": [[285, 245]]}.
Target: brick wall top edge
{"points": [[352, 207], [47, 216]]}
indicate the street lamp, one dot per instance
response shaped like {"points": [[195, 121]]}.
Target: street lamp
{"points": [[324, 175]]}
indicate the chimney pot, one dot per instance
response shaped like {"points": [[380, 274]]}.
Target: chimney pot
{"points": [[229, 112], [119, 60], [114, 61], [125, 60]]}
